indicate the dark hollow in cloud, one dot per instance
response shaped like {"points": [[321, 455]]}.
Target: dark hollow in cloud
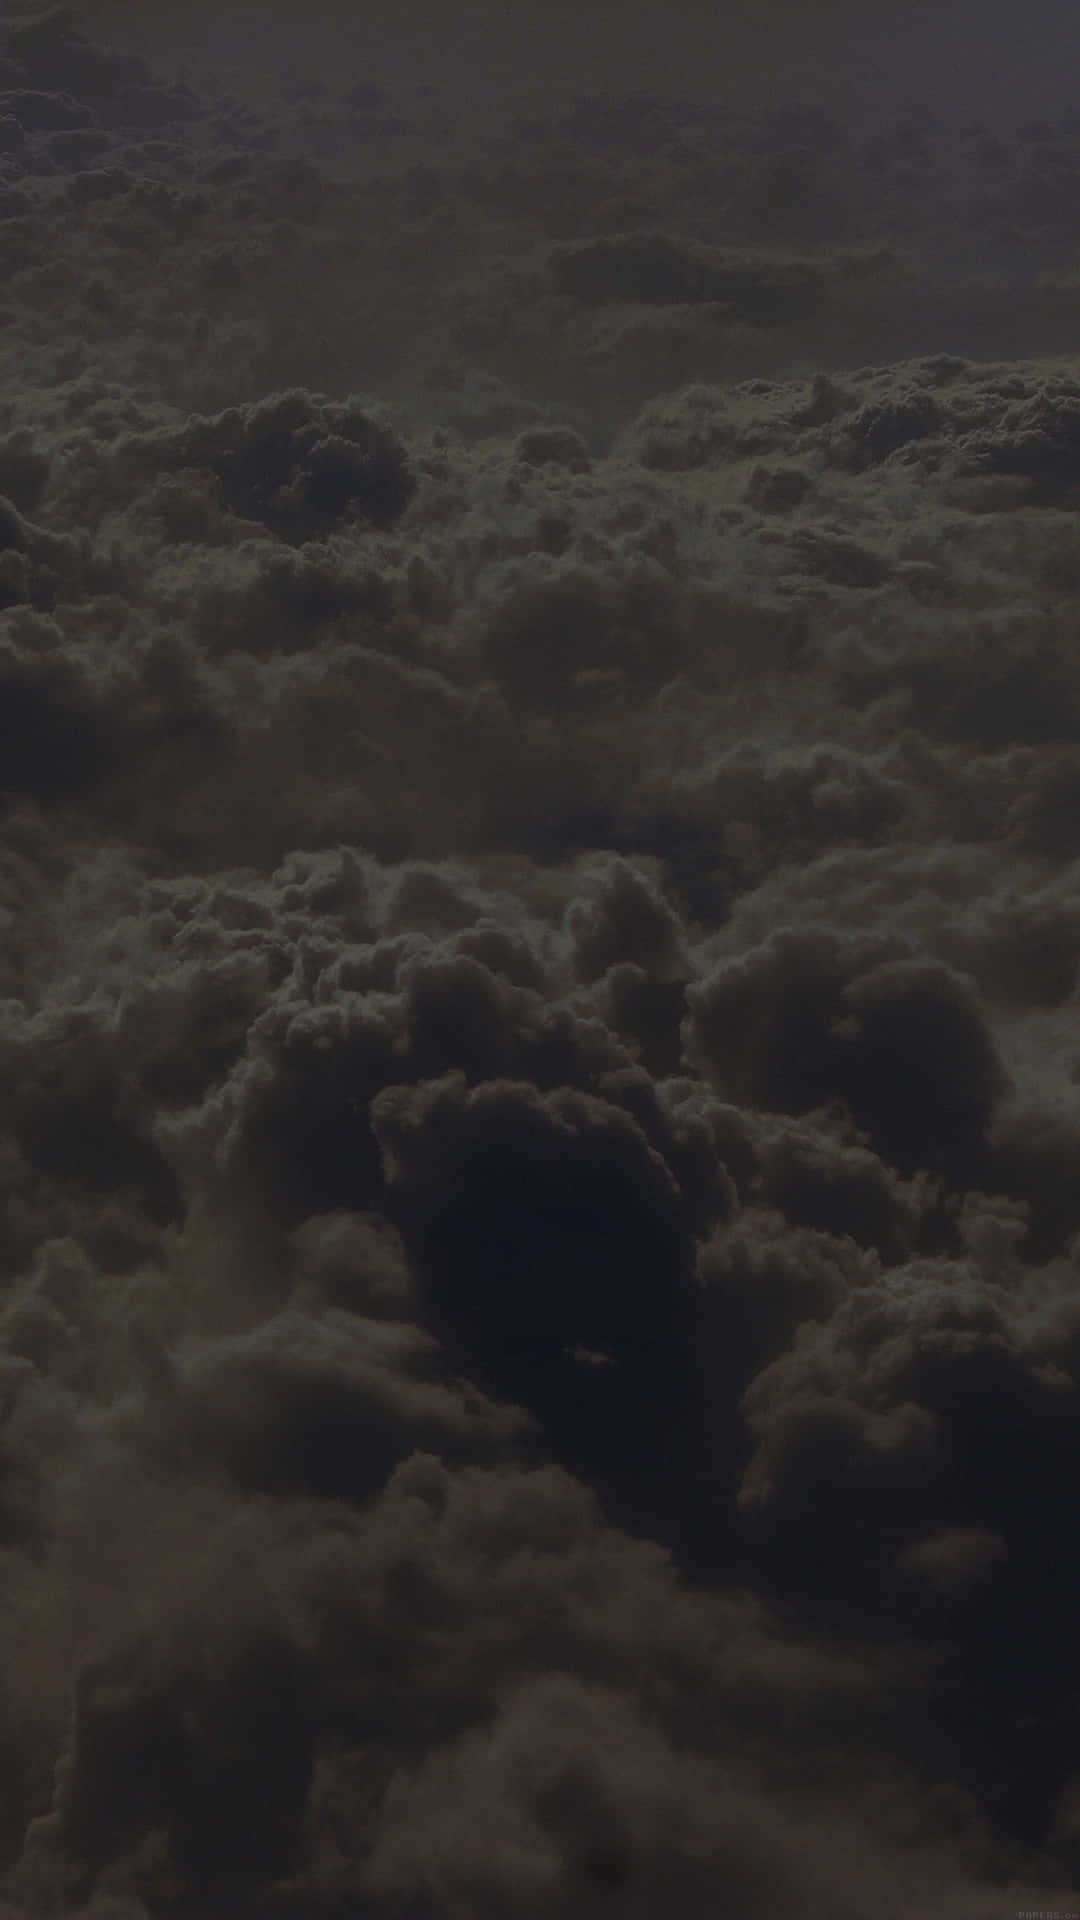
{"points": [[552, 1257]]}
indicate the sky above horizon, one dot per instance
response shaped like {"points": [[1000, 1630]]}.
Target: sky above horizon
{"points": [[979, 59], [539, 767]]}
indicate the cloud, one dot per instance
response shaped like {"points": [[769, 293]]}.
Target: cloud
{"points": [[568, 1799], [588, 1247], [653, 268], [809, 1016]]}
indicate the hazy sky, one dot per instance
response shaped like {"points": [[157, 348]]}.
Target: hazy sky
{"points": [[978, 58], [539, 761]]}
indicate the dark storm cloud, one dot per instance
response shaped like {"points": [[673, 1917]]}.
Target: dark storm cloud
{"points": [[539, 1358]]}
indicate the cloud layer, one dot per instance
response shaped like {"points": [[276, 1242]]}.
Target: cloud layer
{"points": [[539, 738]]}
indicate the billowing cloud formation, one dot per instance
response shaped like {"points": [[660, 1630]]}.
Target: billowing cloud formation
{"points": [[539, 739]]}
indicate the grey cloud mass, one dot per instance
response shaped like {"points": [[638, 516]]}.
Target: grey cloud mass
{"points": [[539, 1048]]}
